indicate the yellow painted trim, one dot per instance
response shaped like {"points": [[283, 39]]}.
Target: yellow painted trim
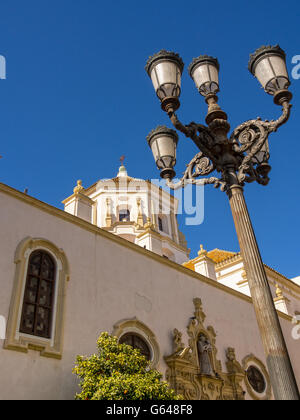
{"points": [[163, 238], [219, 255], [237, 258], [80, 196], [269, 270], [282, 279]]}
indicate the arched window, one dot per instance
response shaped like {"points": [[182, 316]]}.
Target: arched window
{"points": [[136, 342], [124, 215], [37, 312], [137, 334], [37, 309]]}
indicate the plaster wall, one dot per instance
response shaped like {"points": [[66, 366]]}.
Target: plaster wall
{"points": [[111, 280]]}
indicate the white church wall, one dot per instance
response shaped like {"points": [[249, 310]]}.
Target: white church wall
{"points": [[296, 280], [112, 280], [206, 267], [84, 210], [70, 207], [232, 277]]}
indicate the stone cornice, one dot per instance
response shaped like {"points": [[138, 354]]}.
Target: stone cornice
{"points": [[230, 261], [93, 188], [150, 231], [79, 195]]}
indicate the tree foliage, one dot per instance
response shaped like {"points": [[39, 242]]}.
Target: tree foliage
{"points": [[119, 372]]}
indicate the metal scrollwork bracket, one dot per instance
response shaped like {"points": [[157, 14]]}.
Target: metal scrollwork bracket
{"points": [[244, 144], [248, 139]]}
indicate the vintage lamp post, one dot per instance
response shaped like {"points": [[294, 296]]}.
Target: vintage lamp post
{"points": [[242, 157]]}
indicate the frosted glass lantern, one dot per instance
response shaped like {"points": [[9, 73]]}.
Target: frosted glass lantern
{"points": [[163, 142], [204, 70], [268, 65], [165, 70]]}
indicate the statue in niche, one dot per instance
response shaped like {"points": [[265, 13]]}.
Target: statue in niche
{"points": [[204, 353]]}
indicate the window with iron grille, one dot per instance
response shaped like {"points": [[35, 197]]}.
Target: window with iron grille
{"points": [[37, 311]]}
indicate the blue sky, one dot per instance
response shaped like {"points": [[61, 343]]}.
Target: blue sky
{"points": [[77, 97]]}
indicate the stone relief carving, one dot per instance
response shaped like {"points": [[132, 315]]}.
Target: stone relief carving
{"points": [[195, 371], [177, 341]]}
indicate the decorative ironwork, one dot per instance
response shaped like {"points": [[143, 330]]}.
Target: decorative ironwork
{"points": [[203, 59], [237, 153], [243, 157], [164, 55], [262, 51]]}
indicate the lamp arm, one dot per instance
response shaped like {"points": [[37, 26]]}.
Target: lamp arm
{"points": [[249, 138], [202, 141], [186, 130], [247, 133], [203, 181], [285, 115], [200, 165]]}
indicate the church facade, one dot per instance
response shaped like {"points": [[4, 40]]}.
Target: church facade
{"points": [[115, 260]]}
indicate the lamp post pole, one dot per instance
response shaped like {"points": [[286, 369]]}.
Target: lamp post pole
{"points": [[240, 159], [278, 361]]}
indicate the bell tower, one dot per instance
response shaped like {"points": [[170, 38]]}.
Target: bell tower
{"points": [[133, 209]]}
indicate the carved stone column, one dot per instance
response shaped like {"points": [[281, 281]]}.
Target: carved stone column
{"points": [[278, 361]]}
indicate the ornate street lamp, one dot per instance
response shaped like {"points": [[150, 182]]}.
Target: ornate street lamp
{"points": [[240, 158], [267, 64], [163, 142], [165, 69], [204, 70]]}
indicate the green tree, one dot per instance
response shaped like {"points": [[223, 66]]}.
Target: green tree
{"points": [[119, 372]]}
